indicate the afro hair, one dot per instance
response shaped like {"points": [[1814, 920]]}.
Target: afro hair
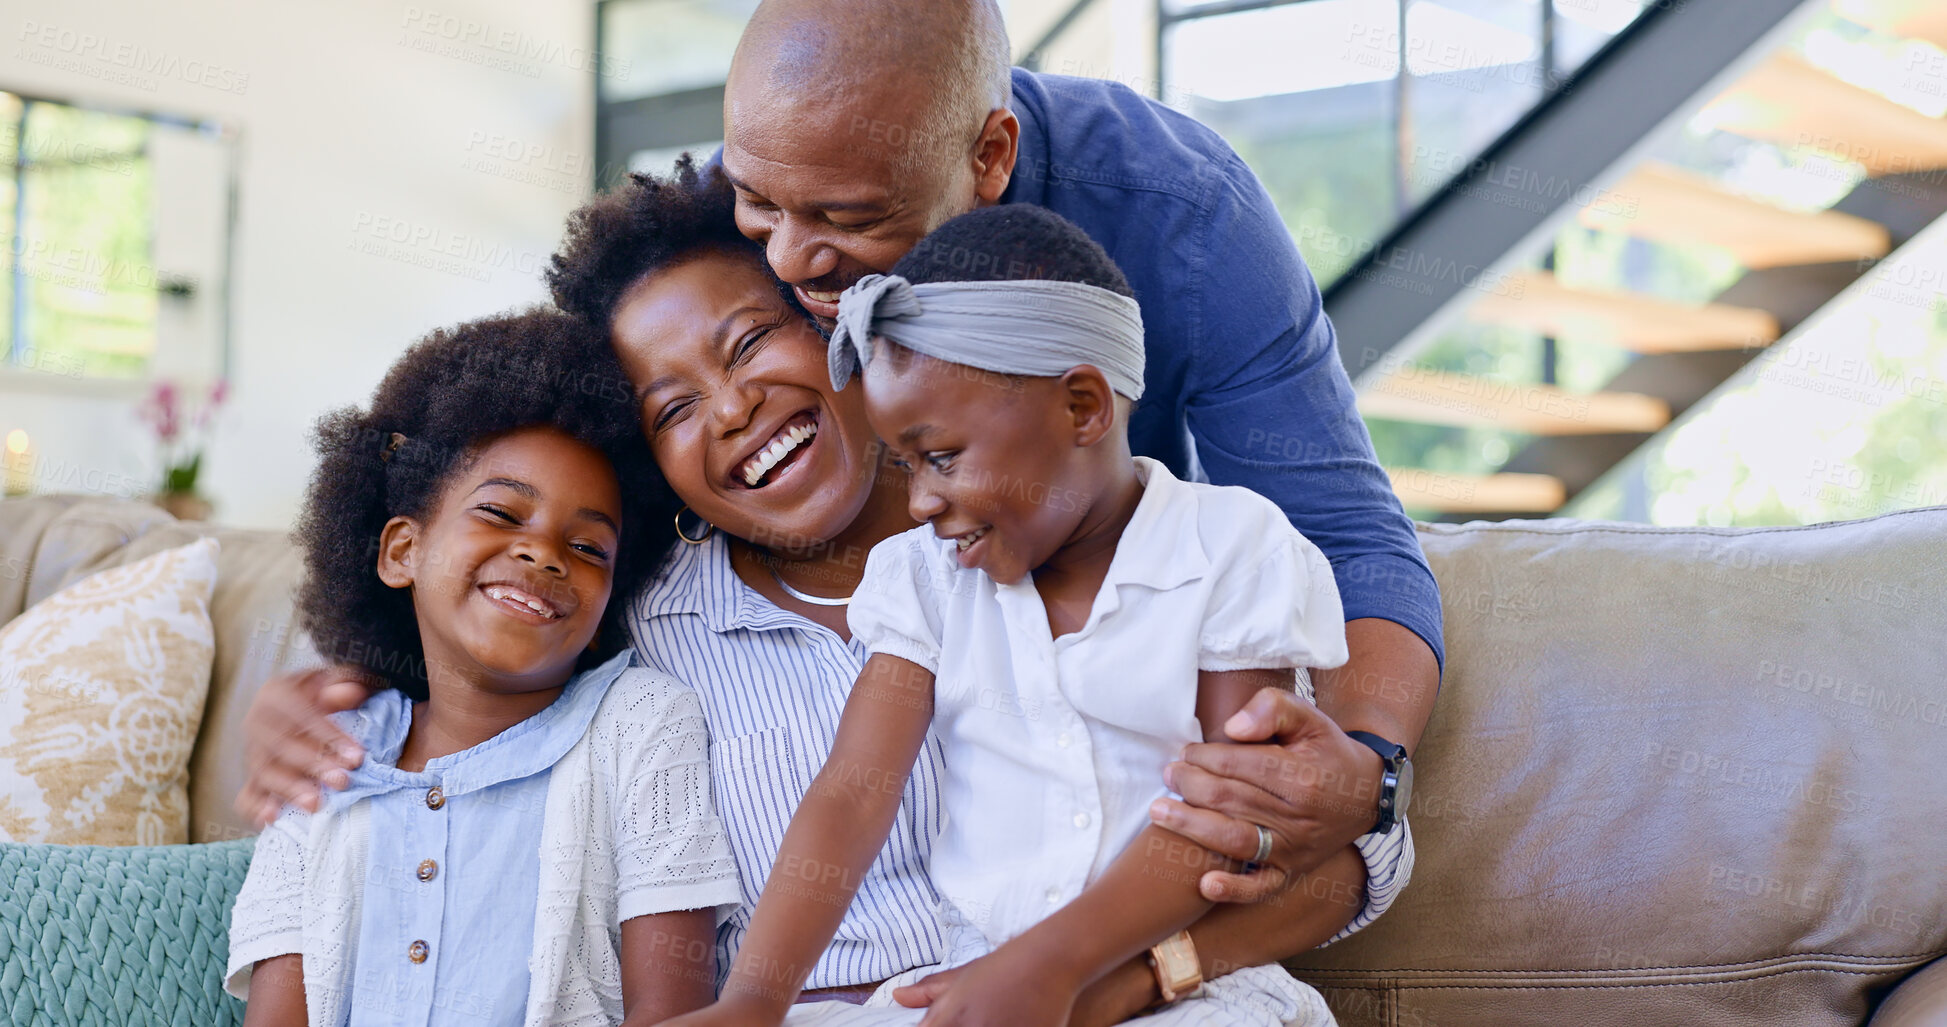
{"points": [[643, 225], [1011, 242], [448, 395]]}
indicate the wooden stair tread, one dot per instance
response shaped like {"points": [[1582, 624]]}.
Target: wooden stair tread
{"points": [[1664, 204], [1538, 302], [1439, 397], [1786, 100], [1912, 19], [1448, 492]]}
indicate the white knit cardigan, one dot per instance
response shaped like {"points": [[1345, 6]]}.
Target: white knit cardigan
{"points": [[648, 727]]}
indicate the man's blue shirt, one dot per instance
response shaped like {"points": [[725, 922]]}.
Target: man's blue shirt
{"points": [[1239, 348]]}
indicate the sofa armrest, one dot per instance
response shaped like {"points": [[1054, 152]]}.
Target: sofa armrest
{"points": [[1919, 1001], [97, 934]]}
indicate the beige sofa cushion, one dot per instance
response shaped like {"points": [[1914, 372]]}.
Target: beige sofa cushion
{"points": [[23, 522], [103, 685], [1673, 776], [252, 610]]}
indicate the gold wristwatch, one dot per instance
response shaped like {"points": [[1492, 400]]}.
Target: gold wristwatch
{"points": [[1175, 961]]}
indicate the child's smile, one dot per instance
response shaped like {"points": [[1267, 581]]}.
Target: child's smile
{"points": [[511, 571], [523, 603]]}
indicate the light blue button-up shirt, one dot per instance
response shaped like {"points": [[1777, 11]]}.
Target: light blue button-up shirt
{"points": [[448, 918]]}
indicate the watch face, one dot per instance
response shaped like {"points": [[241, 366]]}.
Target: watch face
{"points": [[1403, 792]]}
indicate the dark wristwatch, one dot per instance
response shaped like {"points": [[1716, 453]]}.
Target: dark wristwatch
{"points": [[1395, 779]]}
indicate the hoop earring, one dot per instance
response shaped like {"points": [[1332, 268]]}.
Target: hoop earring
{"points": [[708, 529]]}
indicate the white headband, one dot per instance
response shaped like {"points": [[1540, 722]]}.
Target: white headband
{"points": [[1034, 327]]}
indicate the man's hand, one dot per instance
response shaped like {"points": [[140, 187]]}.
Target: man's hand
{"points": [[1001, 989], [1312, 787], [291, 748]]}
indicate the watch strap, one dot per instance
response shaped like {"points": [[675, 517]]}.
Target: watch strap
{"points": [[1391, 752], [1177, 970], [1392, 756]]}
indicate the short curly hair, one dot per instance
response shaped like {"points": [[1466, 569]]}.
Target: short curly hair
{"points": [[641, 226], [452, 392], [1011, 242]]}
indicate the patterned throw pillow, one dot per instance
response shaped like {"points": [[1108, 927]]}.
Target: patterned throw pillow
{"points": [[101, 694]]}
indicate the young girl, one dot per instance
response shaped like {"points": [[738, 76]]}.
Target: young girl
{"points": [[531, 838], [1066, 620]]}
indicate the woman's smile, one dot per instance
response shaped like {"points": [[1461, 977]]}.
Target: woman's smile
{"points": [[778, 453], [738, 405]]}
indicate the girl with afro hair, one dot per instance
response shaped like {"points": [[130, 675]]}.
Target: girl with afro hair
{"points": [[533, 817]]}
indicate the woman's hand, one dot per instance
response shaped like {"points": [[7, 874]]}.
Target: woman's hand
{"points": [[1001, 989], [1311, 786], [291, 748]]}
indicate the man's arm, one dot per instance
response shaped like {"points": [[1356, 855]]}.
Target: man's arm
{"points": [[1387, 687], [1314, 788], [1259, 922], [1269, 407]]}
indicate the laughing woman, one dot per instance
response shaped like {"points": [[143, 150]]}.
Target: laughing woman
{"points": [[786, 492]]}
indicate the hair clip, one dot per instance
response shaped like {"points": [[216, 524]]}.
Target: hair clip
{"points": [[392, 444]]}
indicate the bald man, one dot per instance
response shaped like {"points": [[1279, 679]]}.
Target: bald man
{"points": [[854, 127]]}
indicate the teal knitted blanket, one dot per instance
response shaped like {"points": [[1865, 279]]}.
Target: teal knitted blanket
{"points": [[93, 935]]}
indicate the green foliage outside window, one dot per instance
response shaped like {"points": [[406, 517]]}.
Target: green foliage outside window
{"points": [[80, 282]]}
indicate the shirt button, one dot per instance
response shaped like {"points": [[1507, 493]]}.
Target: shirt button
{"points": [[1061, 741], [435, 798], [417, 952], [1054, 896], [428, 870], [1081, 820]]}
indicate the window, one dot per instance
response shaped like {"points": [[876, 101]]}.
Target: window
{"points": [[1353, 112], [80, 289], [118, 231]]}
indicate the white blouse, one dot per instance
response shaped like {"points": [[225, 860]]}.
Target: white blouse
{"points": [[626, 828], [1054, 748]]}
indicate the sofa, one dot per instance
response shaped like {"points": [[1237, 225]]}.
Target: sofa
{"points": [[1674, 775]]}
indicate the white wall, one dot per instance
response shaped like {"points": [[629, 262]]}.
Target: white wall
{"points": [[403, 166]]}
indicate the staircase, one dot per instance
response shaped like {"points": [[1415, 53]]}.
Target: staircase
{"points": [[1791, 259]]}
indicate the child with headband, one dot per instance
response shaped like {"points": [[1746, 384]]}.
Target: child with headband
{"points": [[1067, 618]]}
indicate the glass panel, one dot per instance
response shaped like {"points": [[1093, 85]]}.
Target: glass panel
{"points": [[1309, 106], [1474, 68], [1321, 44], [9, 157], [82, 254], [1108, 39], [653, 47], [1583, 26]]}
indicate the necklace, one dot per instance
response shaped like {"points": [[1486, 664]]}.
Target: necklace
{"points": [[807, 598]]}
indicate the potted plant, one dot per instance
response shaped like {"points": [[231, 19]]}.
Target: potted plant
{"points": [[180, 446]]}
